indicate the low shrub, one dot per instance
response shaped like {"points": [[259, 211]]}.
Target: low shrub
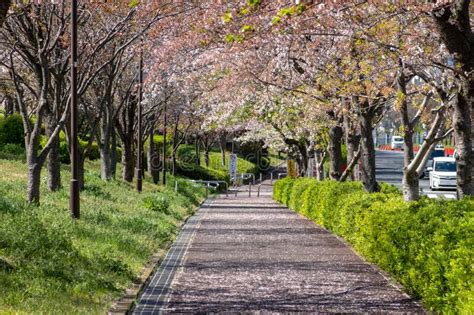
{"points": [[158, 203], [11, 130], [427, 245], [12, 151]]}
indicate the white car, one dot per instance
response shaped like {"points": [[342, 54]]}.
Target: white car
{"points": [[397, 143], [443, 173]]}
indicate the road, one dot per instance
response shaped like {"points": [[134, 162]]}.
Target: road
{"points": [[389, 167]]}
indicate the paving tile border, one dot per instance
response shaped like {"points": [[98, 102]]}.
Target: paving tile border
{"points": [[158, 264]]}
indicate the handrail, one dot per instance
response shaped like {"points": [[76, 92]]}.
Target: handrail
{"points": [[210, 183], [244, 176]]}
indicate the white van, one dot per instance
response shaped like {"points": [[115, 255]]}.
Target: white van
{"points": [[443, 174], [397, 143]]}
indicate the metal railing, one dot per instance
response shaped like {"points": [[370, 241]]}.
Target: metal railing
{"points": [[243, 177], [207, 184]]}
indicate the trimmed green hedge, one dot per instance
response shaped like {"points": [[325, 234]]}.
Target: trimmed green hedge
{"points": [[427, 245]]}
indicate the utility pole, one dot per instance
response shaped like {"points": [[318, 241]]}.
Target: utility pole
{"points": [[74, 202], [139, 140], [164, 145]]}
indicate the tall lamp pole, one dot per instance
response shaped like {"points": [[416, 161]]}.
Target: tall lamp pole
{"points": [[164, 146], [139, 140], [74, 203]]}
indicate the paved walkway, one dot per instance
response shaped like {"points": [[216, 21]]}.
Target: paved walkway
{"points": [[241, 254]]}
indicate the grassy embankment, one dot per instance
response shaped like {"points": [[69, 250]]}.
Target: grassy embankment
{"points": [[52, 264]]}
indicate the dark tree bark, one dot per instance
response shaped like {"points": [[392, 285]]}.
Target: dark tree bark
{"points": [[153, 158], [352, 139], [207, 143], [335, 152], [4, 6], [53, 162], [350, 166], [125, 130], [454, 27], [9, 106], [105, 149], [222, 143], [197, 151], [366, 117], [113, 153]]}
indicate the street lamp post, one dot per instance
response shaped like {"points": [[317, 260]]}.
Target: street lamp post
{"points": [[164, 145], [139, 140], [74, 203]]}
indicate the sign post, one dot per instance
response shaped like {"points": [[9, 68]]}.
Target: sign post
{"points": [[74, 202], [233, 167]]}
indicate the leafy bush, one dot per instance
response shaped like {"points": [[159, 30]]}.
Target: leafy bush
{"points": [[11, 130], [158, 203], [215, 171], [427, 245], [12, 151]]}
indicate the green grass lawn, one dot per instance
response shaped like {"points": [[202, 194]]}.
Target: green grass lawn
{"points": [[215, 170], [52, 264]]}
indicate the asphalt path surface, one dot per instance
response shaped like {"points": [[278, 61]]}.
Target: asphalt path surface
{"points": [[255, 256], [389, 169]]}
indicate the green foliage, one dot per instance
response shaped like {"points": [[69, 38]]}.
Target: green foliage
{"points": [[227, 18], [12, 151], [288, 12], [247, 29], [133, 3], [427, 245], [232, 38], [11, 130], [215, 170], [159, 203], [51, 264]]}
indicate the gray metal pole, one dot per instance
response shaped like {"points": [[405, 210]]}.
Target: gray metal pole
{"points": [[139, 172], [74, 201], [164, 146]]}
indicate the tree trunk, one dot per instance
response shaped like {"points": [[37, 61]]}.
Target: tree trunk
{"points": [[175, 164], [105, 163], [4, 6], [304, 159], [368, 152], [411, 186], [207, 158], [128, 160], [113, 153], [197, 152], [319, 156], [463, 133], [352, 139], [350, 166], [454, 26], [9, 106], [53, 162], [222, 144], [34, 180], [335, 153], [153, 158], [105, 148]]}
